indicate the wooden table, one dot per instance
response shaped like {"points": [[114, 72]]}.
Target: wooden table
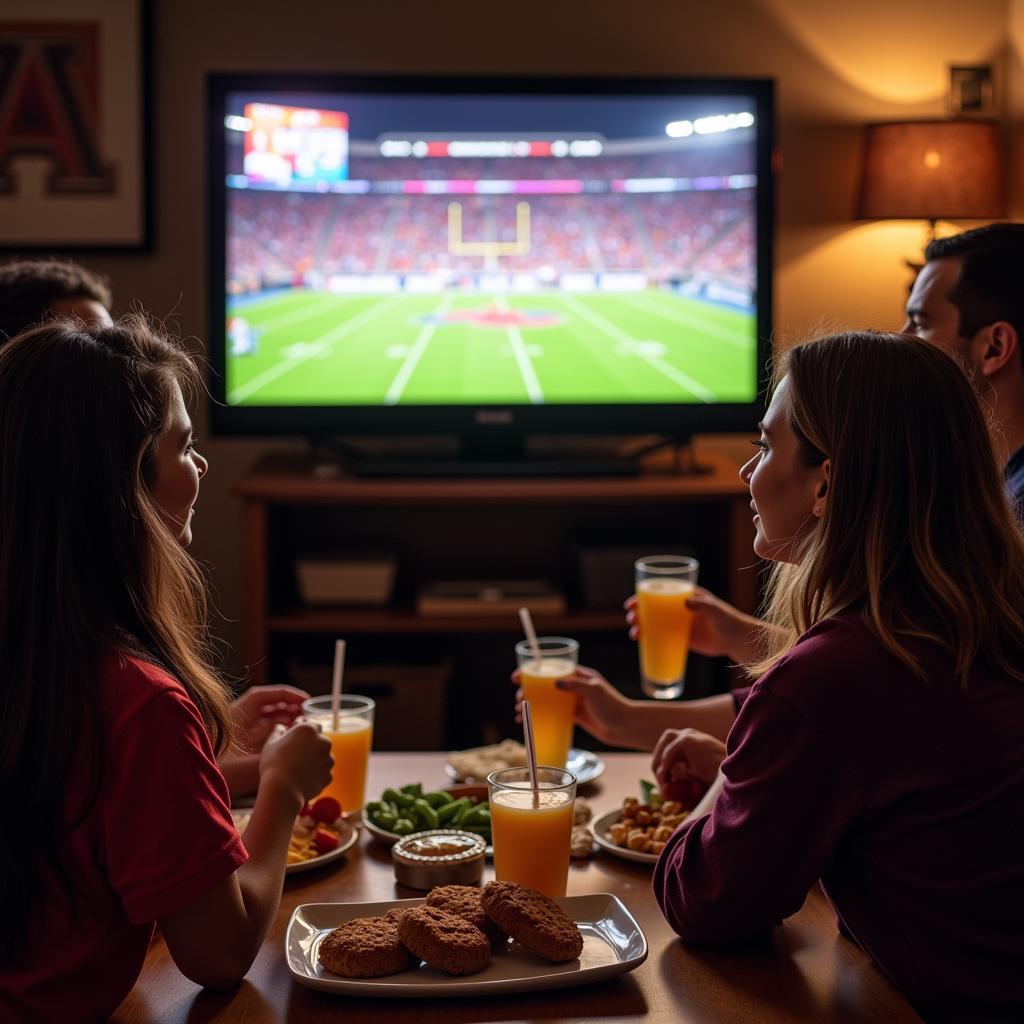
{"points": [[807, 972]]}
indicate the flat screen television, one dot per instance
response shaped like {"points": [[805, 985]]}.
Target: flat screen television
{"points": [[488, 257]]}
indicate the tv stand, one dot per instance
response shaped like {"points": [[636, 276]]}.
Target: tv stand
{"points": [[496, 457], [475, 528]]}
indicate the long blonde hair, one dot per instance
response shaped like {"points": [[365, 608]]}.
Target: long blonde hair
{"points": [[917, 534]]}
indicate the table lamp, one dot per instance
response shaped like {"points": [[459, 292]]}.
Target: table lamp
{"points": [[932, 170]]}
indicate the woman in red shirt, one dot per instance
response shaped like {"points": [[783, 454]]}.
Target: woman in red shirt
{"points": [[881, 749], [115, 813]]}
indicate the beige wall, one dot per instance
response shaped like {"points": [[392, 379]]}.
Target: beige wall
{"points": [[836, 65]]}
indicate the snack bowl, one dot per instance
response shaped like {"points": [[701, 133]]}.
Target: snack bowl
{"points": [[439, 856], [474, 790]]}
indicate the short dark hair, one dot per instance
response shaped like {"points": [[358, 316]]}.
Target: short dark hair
{"points": [[990, 285], [30, 287]]}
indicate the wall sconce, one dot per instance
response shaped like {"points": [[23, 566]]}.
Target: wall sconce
{"points": [[932, 170]]}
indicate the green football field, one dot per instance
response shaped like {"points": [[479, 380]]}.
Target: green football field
{"points": [[315, 348]]}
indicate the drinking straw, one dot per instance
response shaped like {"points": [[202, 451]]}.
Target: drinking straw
{"points": [[531, 751], [339, 669], [531, 634]]}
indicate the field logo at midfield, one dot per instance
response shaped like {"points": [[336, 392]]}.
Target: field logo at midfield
{"points": [[493, 316]]}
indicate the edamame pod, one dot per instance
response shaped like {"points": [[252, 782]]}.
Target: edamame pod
{"points": [[426, 814], [449, 811], [480, 815]]}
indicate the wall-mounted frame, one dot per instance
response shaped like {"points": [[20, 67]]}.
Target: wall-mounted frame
{"points": [[75, 160], [970, 91]]}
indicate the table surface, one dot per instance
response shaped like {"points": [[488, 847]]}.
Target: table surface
{"points": [[805, 972]]}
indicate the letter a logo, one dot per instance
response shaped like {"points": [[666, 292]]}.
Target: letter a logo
{"points": [[50, 106]]}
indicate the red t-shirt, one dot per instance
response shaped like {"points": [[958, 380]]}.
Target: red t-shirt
{"points": [[159, 836], [903, 795]]}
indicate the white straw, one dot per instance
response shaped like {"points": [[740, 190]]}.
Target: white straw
{"points": [[531, 634], [339, 670], [531, 751]]}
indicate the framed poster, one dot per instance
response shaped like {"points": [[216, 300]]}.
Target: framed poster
{"points": [[74, 125]]}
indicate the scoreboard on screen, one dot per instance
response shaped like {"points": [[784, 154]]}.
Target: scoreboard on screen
{"points": [[295, 146]]}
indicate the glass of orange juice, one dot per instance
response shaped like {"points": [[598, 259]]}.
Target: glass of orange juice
{"points": [[663, 584], [350, 745], [531, 831], [554, 710]]}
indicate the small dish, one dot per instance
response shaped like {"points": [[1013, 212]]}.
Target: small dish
{"points": [[599, 829], [584, 764], [348, 837], [440, 856], [613, 943]]}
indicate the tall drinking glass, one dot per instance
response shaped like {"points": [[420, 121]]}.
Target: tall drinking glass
{"points": [[350, 745], [554, 710], [663, 584], [531, 832]]}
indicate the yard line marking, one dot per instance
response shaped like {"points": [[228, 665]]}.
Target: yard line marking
{"points": [[657, 309], [629, 342], [326, 340], [523, 361], [419, 346], [295, 315]]}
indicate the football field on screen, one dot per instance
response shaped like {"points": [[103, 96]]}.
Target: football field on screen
{"points": [[316, 348]]}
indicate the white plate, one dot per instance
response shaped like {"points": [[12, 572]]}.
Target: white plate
{"points": [[600, 826], [585, 765], [613, 943], [348, 838]]}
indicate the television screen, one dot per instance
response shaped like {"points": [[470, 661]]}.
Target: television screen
{"points": [[392, 254]]}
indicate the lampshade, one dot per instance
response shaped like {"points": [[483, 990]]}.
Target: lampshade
{"points": [[932, 170]]}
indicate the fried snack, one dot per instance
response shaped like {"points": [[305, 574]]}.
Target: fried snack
{"points": [[535, 921], [581, 812], [644, 828], [444, 941], [365, 947], [479, 762], [581, 844], [464, 901]]}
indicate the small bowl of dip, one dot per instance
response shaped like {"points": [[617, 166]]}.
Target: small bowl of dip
{"points": [[440, 856]]}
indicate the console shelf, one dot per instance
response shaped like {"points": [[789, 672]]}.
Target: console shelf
{"points": [[471, 528]]}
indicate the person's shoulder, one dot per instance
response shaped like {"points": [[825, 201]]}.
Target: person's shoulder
{"points": [[838, 648], [129, 684]]}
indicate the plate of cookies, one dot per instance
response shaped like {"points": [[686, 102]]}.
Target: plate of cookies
{"points": [[638, 831], [462, 941], [476, 763]]}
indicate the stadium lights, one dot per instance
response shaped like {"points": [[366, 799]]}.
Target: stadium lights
{"points": [[236, 123], [679, 129], [709, 125]]}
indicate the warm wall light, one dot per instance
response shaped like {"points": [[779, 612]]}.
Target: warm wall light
{"points": [[932, 170]]}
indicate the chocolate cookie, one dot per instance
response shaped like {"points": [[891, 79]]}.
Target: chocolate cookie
{"points": [[464, 901], [445, 941], [533, 920], [365, 947]]}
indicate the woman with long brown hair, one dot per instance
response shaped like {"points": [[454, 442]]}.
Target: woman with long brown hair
{"points": [[881, 749], [115, 813]]}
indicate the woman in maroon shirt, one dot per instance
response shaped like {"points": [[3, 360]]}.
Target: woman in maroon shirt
{"points": [[881, 750]]}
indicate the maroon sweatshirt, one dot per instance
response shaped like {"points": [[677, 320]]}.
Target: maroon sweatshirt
{"points": [[903, 795]]}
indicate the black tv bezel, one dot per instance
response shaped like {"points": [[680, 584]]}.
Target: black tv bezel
{"points": [[478, 421]]}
